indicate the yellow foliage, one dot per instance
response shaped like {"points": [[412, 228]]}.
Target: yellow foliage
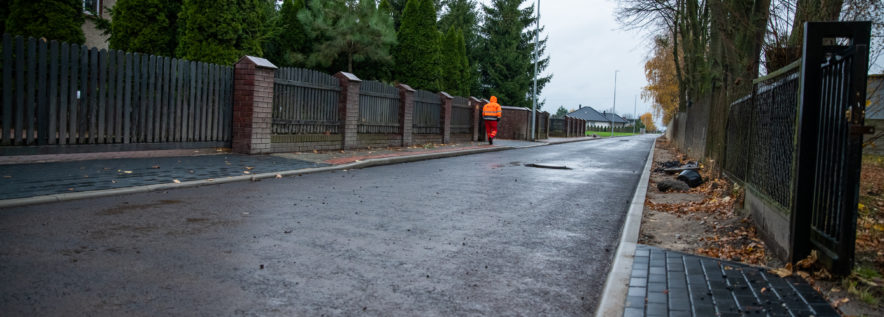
{"points": [[662, 86], [648, 121]]}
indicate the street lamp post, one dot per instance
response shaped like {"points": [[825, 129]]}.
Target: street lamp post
{"points": [[634, 118], [534, 101], [614, 107]]}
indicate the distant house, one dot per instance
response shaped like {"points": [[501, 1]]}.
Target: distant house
{"points": [[596, 119], [94, 38]]}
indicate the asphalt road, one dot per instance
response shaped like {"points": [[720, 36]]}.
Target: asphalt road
{"points": [[472, 235]]}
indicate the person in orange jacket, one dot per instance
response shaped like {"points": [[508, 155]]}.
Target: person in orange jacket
{"points": [[491, 114]]}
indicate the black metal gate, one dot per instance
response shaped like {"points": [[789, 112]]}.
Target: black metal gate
{"points": [[833, 94]]}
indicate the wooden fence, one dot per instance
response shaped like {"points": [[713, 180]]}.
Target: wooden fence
{"points": [[55, 93], [305, 102], [427, 113], [378, 108], [461, 115]]}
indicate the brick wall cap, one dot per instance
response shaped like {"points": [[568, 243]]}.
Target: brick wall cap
{"points": [[474, 99], [257, 61], [406, 87], [348, 76], [445, 95]]}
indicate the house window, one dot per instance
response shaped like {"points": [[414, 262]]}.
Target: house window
{"points": [[92, 7]]}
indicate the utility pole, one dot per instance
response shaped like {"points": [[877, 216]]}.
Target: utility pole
{"points": [[634, 117], [613, 107], [534, 102]]}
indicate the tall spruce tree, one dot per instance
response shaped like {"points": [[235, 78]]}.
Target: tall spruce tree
{"points": [[454, 64], [507, 62], [222, 31], [351, 31], [417, 55], [51, 19], [464, 15], [290, 45], [145, 26]]}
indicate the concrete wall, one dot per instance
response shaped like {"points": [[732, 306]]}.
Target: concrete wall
{"points": [[772, 221]]}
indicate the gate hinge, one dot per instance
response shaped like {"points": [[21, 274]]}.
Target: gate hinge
{"points": [[856, 129]]}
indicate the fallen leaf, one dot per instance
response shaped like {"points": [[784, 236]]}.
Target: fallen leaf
{"points": [[176, 181], [278, 176], [7, 176], [763, 289], [246, 172], [155, 167], [127, 172], [71, 189], [249, 168], [113, 181]]}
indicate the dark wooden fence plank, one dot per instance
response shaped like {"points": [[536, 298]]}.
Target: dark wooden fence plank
{"points": [[64, 93], [42, 115], [191, 97], [93, 94], [127, 103], [101, 118], [198, 102], [163, 113], [110, 107], [185, 99], [80, 62], [173, 99], [143, 86], [31, 93], [202, 104], [119, 93], [20, 89], [52, 90], [151, 93], [8, 65], [216, 124], [210, 102]]}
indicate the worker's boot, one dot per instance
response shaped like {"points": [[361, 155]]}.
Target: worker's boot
{"points": [[490, 140]]}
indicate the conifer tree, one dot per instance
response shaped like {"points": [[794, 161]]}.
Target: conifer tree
{"points": [[290, 45], [222, 31], [454, 64], [352, 32], [417, 55], [464, 15], [507, 59], [51, 19], [145, 26]]}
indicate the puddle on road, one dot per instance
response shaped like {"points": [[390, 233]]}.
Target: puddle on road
{"points": [[549, 166]]}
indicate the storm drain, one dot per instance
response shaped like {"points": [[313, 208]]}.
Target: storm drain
{"points": [[550, 166]]}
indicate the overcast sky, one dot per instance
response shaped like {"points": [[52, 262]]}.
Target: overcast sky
{"points": [[586, 45]]}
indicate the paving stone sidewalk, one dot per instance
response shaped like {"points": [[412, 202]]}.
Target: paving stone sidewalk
{"points": [[669, 283], [100, 171]]}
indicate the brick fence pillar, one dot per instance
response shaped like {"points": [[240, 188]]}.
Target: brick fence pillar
{"points": [[348, 108], [252, 105], [406, 113], [475, 117], [446, 116]]}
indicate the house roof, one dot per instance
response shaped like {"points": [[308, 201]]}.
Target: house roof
{"points": [[588, 114], [616, 119]]}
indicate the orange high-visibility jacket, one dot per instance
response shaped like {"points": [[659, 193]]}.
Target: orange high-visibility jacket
{"points": [[491, 110]]}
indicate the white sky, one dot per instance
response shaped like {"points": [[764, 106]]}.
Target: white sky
{"points": [[586, 45]]}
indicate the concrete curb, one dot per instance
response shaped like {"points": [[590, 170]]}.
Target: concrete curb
{"points": [[617, 284], [18, 202]]}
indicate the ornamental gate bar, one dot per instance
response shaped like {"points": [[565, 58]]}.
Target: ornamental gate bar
{"points": [[829, 152]]}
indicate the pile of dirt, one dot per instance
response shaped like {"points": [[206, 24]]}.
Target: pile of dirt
{"points": [[700, 220]]}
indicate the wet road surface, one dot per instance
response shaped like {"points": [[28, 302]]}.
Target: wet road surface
{"points": [[479, 234]]}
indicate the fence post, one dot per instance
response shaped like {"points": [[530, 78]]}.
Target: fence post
{"points": [[252, 105], [475, 104], [406, 112], [348, 107], [446, 116]]}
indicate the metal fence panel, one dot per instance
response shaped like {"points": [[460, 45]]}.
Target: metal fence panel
{"points": [[460, 116], [378, 108], [427, 113], [305, 102]]}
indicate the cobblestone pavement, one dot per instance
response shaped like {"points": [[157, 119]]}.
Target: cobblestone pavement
{"points": [[668, 283]]}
